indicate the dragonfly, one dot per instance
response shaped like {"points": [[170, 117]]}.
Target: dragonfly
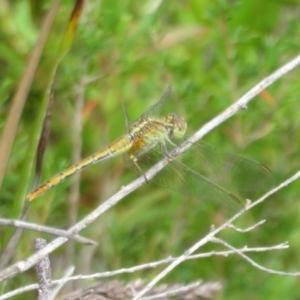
{"points": [[214, 175]]}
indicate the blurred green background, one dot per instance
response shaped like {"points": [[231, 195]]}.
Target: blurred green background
{"points": [[211, 52]]}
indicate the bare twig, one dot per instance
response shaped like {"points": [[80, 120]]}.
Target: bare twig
{"points": [[43, 272], [211, 235], [50, 230], [65, 278], [7, 253], [252, 262], [143, 267], [24, 265], [247, 229]]}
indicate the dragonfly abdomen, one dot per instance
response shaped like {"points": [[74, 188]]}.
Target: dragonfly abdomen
{"points": [[116, 148]]}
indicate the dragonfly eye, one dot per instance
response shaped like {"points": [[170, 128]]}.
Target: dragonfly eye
{"points": [[177, 126]]}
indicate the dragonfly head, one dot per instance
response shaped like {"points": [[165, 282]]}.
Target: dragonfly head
{"points": [[176, 126]]}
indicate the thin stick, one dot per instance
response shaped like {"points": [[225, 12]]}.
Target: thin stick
{"points": [[50, 230], [43, 272], [24, 265], [142, 267], [211, 235]]}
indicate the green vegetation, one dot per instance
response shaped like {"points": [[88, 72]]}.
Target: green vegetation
{"points": [[211, 52]]}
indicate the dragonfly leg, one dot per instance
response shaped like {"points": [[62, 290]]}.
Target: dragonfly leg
{"points": [[140, 171], [127, 122], [164, 148]]}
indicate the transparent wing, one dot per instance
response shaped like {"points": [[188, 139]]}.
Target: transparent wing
{"points": [[210, 175], [154, 109]]}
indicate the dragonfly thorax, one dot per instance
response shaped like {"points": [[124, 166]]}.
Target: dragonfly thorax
{"points": [[147, 132]]}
